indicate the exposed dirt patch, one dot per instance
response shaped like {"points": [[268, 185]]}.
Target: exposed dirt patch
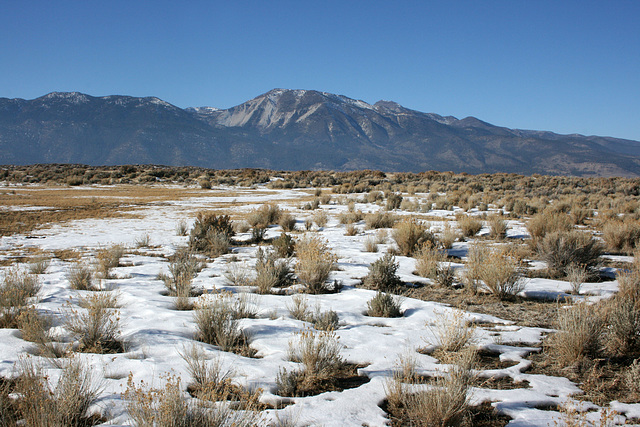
{"points": [[531, 313], [602, 380]]}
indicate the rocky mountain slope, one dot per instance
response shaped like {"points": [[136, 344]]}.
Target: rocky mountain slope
{"points": [[291, 129]]}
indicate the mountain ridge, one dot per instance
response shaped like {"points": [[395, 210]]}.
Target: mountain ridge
{"points": [[292, 129]]}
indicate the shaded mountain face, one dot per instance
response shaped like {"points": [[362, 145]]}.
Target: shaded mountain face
{"points": [[291, 130]]}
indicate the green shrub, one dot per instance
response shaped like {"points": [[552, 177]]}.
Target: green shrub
{"points": [[384, 305], [382, 274]]}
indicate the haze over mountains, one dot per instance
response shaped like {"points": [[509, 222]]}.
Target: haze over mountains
{"points": [[292, 130]]}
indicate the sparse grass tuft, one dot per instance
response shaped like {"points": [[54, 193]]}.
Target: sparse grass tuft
{"points": [[39, 265], [370, 244], [453, 332]]}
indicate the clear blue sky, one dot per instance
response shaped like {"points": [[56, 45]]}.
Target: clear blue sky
{"points": [[564, 66]]}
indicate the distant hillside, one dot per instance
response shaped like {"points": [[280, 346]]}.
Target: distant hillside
{"points": [[292, 130]]}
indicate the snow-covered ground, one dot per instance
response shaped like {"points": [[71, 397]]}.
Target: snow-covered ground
{"points": [[156, 334]]}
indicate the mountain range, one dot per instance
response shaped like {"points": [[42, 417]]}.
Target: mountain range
{"points": [[292, 130]]}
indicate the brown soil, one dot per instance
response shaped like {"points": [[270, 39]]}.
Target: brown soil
{"points": [[525, 312]]}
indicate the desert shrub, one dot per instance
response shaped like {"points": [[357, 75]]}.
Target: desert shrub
{"points": [[546, 222], [576, 275], [381, 237], [320, 218], [560, 249], [80, 277], [623, 326], [384, 305], [168, 406], [108, 259], [578, 335], [182, 228], [629, 285], [299, 308], [65, 404], [621, 236], [580, 214], [445, 404], [445, 275], [271, 272], [325, 320], [238, 274], [16, 289], [374, 196], [409, 234], [497, 227], [469, 225], [393, 201], [217, 324], [471, 277], [315, 261], [370, 244], [211, 233], [284, 245], [319, 354], [350, 217], [500, 275], [380, 219], [452, 331], [428, 260], [144, 241], [448, 236], [350, 230], [287, 221], [632, 377], [382, 274], [184, 266], [39, 265], [308, 224], [96, 327], [265, 215]]}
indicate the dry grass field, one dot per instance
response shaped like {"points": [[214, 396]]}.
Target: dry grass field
{"points": [[143, 296]]}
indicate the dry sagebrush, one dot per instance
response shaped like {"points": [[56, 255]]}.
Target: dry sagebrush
{"points": [[315, 262]]}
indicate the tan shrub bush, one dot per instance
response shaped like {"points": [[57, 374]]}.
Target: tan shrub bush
{"points": [[80, 277], [384, 305], [410, 234], [17, 288], [217, 323], [469, 225], [97, 327], [315, 262], [546, 222], [380, 219], [211, 233], [497, 227], [561, 249], [500, 275], [621, 236], [271, 272], [287, 222], [428, 261], [579, 334]]}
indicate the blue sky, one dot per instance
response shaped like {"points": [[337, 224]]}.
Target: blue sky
{"points": [[564, 66]]}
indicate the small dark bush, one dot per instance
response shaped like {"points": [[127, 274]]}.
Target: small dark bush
{"points": [[382, 274]]}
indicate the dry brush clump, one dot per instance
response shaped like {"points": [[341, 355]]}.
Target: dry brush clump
{"points": [[319, 355], [17, 289], [497, 227], [621, 235], [284, 245], [500, 274], [444, 403], [40, 401], [380, 219], [562, 249], [410, 234], [217, 323], [469, 225], [579, 334], [547, 222], [96, 325], [171, 406], [315, 262], [107, 260], [211, 234], [271, 272], [80, 277], [184, 266]]}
